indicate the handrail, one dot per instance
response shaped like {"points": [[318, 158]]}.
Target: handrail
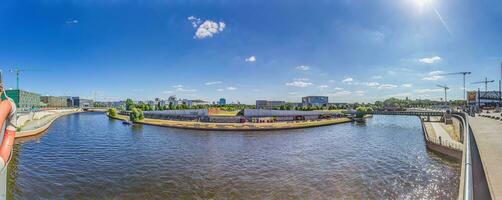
{"points": [[468, 183]]}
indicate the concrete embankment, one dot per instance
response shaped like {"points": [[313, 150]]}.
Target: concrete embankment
{"points": [[236, 126], [441, 138], [34, 123]]}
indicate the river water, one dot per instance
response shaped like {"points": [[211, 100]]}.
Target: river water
{"points": [[88, 156]]}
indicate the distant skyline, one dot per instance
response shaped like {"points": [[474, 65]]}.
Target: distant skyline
{"points": [[351, 51]]}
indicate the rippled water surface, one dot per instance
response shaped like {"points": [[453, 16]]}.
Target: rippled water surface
{"points": [[88, 156]]}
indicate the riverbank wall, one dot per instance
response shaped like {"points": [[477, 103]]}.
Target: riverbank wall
{"points": [[194, 125], [433, 143], [37, 123]]}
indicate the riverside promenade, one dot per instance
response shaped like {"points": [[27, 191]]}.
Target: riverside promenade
{"points": [[488, 135]]}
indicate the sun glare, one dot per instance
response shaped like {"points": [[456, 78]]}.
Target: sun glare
{"points": [[421, 4]]}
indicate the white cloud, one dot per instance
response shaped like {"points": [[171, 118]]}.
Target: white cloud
{"points": [[301, 79], [437, 72], [220, 89], [323, 86], [222, 26], [72, 21], [251, 59], [340, 93], [347, 80], [195, 21], [426, 90], [430, 60], [407, 85], [338, 88], [372, 84], [303, 68], [293, 93], [167, 92], [301, 84], [405, 94], [387, 86], [359, 92], [213, 83], [207, 28], [433, 76], [231, 88], [376, 77], [331, 81], [181, 88], [185, 90]]}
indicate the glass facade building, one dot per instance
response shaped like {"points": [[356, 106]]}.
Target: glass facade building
{"points": [[54, 102], [315, 101], [24, 100]]}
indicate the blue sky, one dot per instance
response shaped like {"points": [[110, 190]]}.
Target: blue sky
{"points": [[352, 51]]}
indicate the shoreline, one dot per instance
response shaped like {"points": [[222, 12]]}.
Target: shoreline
{"points": [[207, 126], [41, 129]]}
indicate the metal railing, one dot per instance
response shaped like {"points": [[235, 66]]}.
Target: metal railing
{"points": [[468, 183]]}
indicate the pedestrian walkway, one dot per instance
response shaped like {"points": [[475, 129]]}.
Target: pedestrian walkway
{"points": [[445, 137], [488, 135]]}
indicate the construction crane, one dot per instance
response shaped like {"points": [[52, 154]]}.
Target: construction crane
{"points": [[458, 73], [445, 89], [486, 81], [18, 72]]}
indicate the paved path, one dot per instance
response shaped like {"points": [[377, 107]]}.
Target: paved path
{"points": [[445, 137], [488, 135]]}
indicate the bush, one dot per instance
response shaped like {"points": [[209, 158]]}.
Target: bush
{"points": [[136, 115], [361, 110], [112, 112]]}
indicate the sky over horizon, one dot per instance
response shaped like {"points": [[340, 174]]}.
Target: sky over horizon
{"points": [[351, 51]]}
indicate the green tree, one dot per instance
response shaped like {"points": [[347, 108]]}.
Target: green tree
{"points": [[136, 115], [129, 104], [112, 112], [360, 111]]}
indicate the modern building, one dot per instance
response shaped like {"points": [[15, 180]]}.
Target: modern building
{"points": [[24, 100], [484, 98], [191, 103], [172, 101], [82, 103], [265, 104], [222, 102], [69, 101], [54, 102], [160, 102], [315, 101], [152, 104]]}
